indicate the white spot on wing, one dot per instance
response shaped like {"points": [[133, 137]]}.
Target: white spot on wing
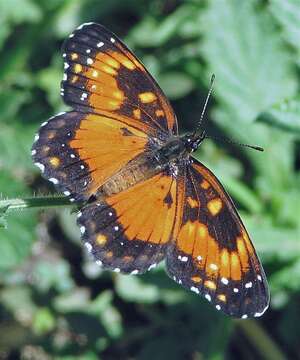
{"points": [[112, 40], [244, 316], [152, 266], [183, 258], [218, 307], [89, 61], [224, 281], [116, 228], [36, 137], [213, 266], [40, 166], [259, 277], [100, 44], [248, 285], [53, 180], [88, 246], [33, 152], [194, 289], [207, 297], [236, 290], [99, 262], [117, 270], [134, 272], [258, 314], [67, 193], [82, 229]]}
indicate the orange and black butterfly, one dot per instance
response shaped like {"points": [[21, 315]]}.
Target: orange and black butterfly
{"points": [[143, 197]]}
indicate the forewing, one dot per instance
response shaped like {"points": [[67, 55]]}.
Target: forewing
{"points": [[212, 254], [79, 152], [130, 231], [102, 75]]}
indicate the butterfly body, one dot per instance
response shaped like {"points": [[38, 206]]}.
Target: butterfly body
{"points": [[144, 198]]}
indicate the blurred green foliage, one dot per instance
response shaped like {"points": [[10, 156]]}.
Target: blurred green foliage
{"points": [[54, 302]]}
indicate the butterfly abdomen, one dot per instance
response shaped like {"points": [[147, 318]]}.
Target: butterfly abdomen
{"points": [[140, 169]]}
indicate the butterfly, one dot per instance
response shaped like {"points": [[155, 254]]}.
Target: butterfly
{"points": [[143, 198]]}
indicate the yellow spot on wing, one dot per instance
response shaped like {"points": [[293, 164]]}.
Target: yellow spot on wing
{"points": [[202, 231], [222, 297], [107, 69], [192, 202], [137, 113], [101, 239], [51, 134], [196, 279], [74, 56], [159, 112], [74, 79], [225, 264], [77, 68], [214, 206], [210, 284], [54, 161], [118, 94], [243, 254], [205, 184], [127, 258], [235, 267], [147, 97]]}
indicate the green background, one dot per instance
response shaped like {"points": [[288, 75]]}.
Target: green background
{"points": [[54, 301]]}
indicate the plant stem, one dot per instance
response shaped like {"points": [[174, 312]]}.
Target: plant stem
{"points": [[18, 204], [262, 342]]}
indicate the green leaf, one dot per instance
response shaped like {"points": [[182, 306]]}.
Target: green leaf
{"points": [[43, 322], [287, 13], [132, 288], [18, 11], [176, 85], [256, 71], [284, 115], [269, 239], [54, 273], [11, 102], [248, 80], [15, 145], [18, 235], [154, 32]]}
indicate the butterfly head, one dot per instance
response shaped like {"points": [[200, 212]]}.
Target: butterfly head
{"points": [[192, 141]]}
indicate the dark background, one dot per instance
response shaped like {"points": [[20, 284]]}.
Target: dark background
{"points": [[54, 301]]}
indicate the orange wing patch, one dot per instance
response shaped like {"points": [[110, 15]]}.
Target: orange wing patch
{"points": [[101, 74], [140, 218], [130, 231], [106, 145]]}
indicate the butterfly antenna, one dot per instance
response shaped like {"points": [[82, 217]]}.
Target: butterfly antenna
{"points": [[212, 79], [254, 147]]}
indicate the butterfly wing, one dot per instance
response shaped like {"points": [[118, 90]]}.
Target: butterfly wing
{"points": [[212, 254], [79, 152], [120, 113], [130, 231], [102, 75]]}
